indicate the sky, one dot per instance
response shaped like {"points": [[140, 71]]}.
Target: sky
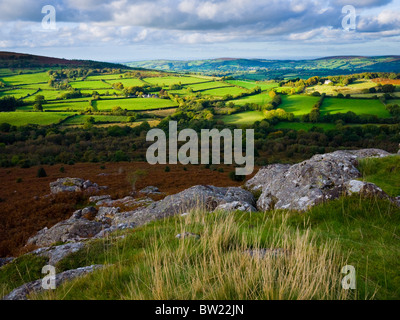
{"points": [[134, 30]]}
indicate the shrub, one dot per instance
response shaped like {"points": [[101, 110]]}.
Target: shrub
{"points": [[41, 173]]}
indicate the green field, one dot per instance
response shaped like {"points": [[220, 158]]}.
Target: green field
{"points": [[111, 77], [395, 101], [81, 119], [252, 84], [17, 93], [167, 81], [92, 85], [248, 117], [33, 78], [259, 99], [128, 82], [68, 105], [135, 104], [208, 85], [303, 126], [24, 118], [298, 104], [221, 92], [358, 106]]}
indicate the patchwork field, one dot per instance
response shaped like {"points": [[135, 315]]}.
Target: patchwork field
{"points": [[358, 106], [259, 99], [129, 82], [297, 104], [135, 104], [243, 118], [17, 93], [17, 80], [221, 92], [252, 84], [90, 85], [167, 81], [208, 85], [41, 118], [26, 85]]}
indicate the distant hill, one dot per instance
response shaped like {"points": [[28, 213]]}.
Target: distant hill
{"points": [[21, 60], [271, 69]]}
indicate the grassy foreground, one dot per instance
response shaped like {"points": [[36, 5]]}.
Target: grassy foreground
{"points": [[150, 263]]}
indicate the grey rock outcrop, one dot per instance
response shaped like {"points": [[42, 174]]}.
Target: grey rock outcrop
{"points": [[106, 214], [74, 185], [303, 185], [236, 206], [150, 190], [201, 197], [97, 199], [71, 230], [57, 253], [21, 293]]}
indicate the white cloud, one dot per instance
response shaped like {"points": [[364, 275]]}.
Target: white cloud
{"points": [[170, 22]]}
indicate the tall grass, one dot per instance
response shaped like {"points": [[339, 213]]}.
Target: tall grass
{"points": [[219, 266], [216, 266]]}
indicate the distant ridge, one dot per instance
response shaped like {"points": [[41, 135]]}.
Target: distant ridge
{"points": [[259, 69], [23, 60]]}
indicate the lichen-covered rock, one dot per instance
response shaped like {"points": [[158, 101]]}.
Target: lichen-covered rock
{"points": [[71, 230], [236, 206], [106, 214], [57, 253], [198, 197], [364, 189], [74, 185], [123, 226], [150, 190], [96, 199], [87, 213], [187, 235], [22, 292], [310, 182]]}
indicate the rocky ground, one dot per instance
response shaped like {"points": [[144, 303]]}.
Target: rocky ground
{"points": [[292, 187]]}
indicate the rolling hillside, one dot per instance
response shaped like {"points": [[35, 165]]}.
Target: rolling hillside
{"points": [[21, 60], [259, 69]]}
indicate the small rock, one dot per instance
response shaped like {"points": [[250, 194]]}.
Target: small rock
{"points": [[22, 292], [365, 189], [187, 235], [74, 185], [262, 253], [106, 214], [56, 254], [4, 261], [95, 199], [236, 206], [150, 190]]}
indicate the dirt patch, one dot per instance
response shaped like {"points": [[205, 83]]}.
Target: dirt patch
{"points": [[24, 209]]}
